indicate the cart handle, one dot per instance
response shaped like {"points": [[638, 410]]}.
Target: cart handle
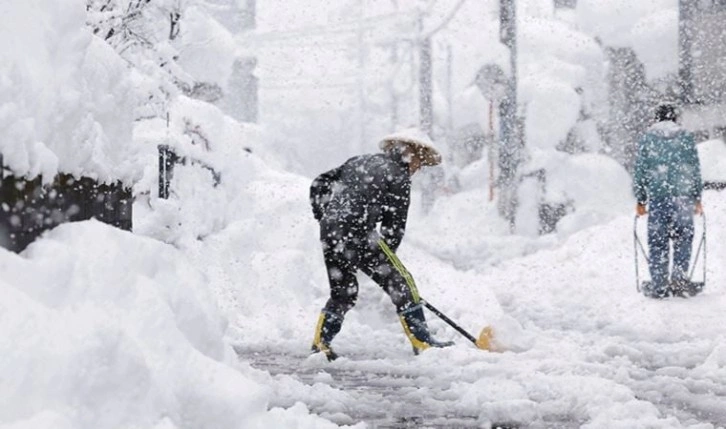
{"points": [[637, 243]]}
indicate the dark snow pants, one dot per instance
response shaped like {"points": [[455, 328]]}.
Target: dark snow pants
{"points": [[670, 219], [346, 252]]}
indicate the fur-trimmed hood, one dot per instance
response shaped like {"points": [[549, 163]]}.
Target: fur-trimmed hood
{"points": [[414, 137]]}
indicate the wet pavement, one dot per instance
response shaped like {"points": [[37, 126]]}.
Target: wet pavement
{"points": [[392, 393], [391, 396]]}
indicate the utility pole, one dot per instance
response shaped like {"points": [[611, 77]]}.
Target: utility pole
{"points": [[361, 82], [426, 116], [685, 50], [394, 94], [394, 65], [242, 102], [425, 83], [509, 145], [449, 89]]}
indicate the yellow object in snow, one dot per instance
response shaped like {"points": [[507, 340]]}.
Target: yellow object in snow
{"points": [[484, 341]]}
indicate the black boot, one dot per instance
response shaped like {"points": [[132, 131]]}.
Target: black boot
{"points": [[650, 291], [417, 331], [328, 326], [680, 288]]}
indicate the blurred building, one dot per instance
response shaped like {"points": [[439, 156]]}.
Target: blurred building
{"points": [[630, 104], [702, 74], [241, 97], [700, 85]]}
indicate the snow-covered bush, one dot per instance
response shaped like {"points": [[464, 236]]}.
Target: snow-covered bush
{"points": [[68, 106]]}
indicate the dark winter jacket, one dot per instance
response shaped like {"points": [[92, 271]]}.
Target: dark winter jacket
{"points": [[667, 164], [364, 191]]}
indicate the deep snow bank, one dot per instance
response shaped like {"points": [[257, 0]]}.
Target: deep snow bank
{"points": [[67, 99], [104, 329]]}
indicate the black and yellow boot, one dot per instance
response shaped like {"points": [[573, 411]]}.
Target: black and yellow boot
{"points": [[328, 326], [417, 331]]}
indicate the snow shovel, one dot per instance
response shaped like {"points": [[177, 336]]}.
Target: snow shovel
{"points": [[484, 341], [692, 288]]}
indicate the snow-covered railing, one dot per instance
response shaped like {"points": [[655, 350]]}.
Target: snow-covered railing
{"points": [[168, 159]]}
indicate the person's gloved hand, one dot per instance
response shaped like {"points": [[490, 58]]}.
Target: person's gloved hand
{"points": [[699, 208], [640, 209]]}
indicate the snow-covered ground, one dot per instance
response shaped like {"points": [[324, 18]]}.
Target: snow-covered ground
{"points": [[103, 328], [583, 346]]}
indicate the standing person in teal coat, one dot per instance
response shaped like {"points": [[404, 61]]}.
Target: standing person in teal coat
{"points": [[668, 186]]}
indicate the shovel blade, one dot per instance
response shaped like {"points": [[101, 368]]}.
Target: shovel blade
{"points": [[486, 338]]}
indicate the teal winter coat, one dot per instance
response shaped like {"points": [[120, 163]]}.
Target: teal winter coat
{"points": [[667, 164]]}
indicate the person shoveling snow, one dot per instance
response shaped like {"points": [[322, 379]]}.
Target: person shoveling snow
{"points": [[349, 202]]}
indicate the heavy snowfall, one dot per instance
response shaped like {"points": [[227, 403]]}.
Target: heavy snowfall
{"points": [[202, 315]]}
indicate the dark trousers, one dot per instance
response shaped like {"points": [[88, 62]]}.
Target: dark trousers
{"points": [[670, 219], [346, 252]]}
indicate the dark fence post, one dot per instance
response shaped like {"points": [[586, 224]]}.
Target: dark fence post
{"points": [[5, 228], [168, 158], [166, 167]]}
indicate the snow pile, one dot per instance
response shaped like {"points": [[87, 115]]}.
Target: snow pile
{"points": [[67, 101], [465, 227], [712, 155], [555, 61], [595, 188], [207, 191], [100, 328], [561, 84], [649, 27], [71, 105], [207, 48]]}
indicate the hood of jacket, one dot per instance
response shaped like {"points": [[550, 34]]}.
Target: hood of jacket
{"points": [[667, 129]]}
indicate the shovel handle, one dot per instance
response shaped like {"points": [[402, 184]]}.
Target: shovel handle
{"points": [[449, 321]]}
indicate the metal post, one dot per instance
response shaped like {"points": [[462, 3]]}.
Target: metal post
{"points": [[361, 77], [165, 166], [685, 50], [249, 15], [490, 150], [425, 87], [449, 90], [510, 143], [165, 163], [394, 94]]}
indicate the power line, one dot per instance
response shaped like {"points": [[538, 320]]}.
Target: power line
{"points": [[444, 22], [307, 85], [342, 28]]}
